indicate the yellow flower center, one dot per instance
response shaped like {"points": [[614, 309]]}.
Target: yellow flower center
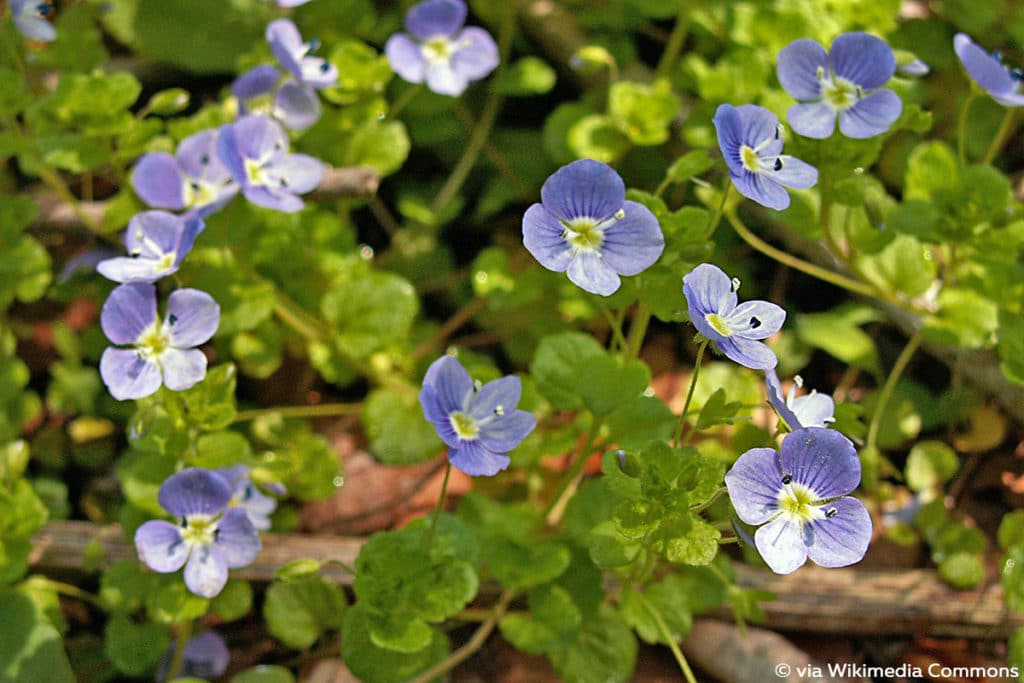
{"points": [[583, 234], [199, 530], [750, 159], [153, 341], [464, 425], [718, 323], [437, 49], [840, 93], [796, 502], [254, 172]]}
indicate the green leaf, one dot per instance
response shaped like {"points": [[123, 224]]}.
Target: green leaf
{"points": [[1013, 578], [904, 265], [932, 169], [134, 648], [519, 566], [611, 383], [234, 601], [368, 309], [396, 428], [525, 77], [930, 464], [370, 662], [403, 587], [298, 569], [689, 165], [24, 270], [1015, 656], [79, 44], [963, 570], [31, 648], [1011, 529], [604, 650], [596, 136], [916, 217], [640, 420], [552, 616], [170, 602], [383, 146], [169, 102], [838, 333], [559, 363], [264, 673], [717, 411], [14, 96], [1011, 345], [124, 586], [361, 72], [642, 111], [670, 598], [210, 405], [298, 612], [965, 319], [697, 546], [216, 33], [221, 449]]}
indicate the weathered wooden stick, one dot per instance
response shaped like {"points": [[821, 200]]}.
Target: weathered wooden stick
{"points": [[847, 601], [339, 183]]}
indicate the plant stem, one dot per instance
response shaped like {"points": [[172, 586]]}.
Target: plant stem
{"points": [[440, 506], [473, 644], [318, 410], [638, 330], [488, 115], [57, 184], [1005, 128], [961, 135], [178, 658], [684, 666], [297, 319], [72, 591], [701, 507], [458, 319], [811, 269], [615, 324], [404, 99], [716, 217], [890, 385], [675, 42], [570, 475], [689, 393]]}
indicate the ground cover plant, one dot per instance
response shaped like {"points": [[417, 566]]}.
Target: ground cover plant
{"points": [[571, 259]]}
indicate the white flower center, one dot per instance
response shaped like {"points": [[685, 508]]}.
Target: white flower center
{"points": [[838, 92], [437, 50], [797, 502], [199, 530], [153, 341], [585, 234]]}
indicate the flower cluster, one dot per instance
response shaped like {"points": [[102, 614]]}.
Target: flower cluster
{"points": [[478, 422], [799, 496], [438, 50], [210, 537]]}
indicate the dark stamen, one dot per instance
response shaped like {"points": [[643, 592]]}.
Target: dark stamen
{"points": [[754, 323], [830, 513], [172, 318], [787, 479], [284, 183], [325, 67], [195, 186], [778, 164], [205, 159]]}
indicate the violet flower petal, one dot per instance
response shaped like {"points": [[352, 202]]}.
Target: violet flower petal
{"points": [[182, 368], [160, 546], [127, 375], [194, 491], [872, 116], [206, 572], [823, 460], [476, 460], [159, 182], [127, 312], [192, 317], [435, 18], [781, 545], [843, 539], [583, 189], [237, 542]]}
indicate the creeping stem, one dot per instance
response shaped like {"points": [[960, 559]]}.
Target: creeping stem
{"points": [[716, 217], [689, 393], [684, 666], [472, 645], [615, 323], [318, 410], [638, 330], [178, 658], [675, 41], [440, 506], [961, 134], [571, 474], [795, 263], [1005, 128], [890, 385], [484, 125]]}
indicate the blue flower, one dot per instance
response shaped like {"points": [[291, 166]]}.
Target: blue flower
{"points": [[479, 423], [988, 71], [206, 656], [585, 227], [209, 539], [262, 91], [296, 56], [799, 495], [247, 496], [160, 352], [810, 410], [736, 329], [255, 150], [157, 242], [843, 83], [438, 50], [30, 19], [751, 142], [193, 178]]}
